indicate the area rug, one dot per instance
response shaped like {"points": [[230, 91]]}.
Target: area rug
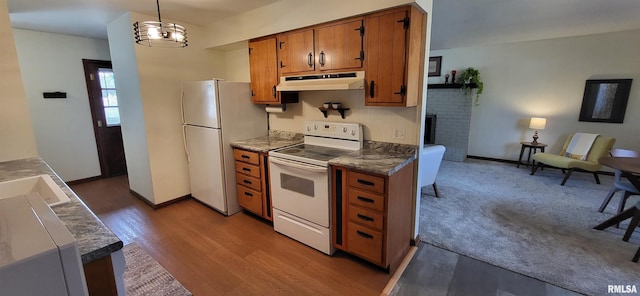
{"points": [[144, 276], [499, 214]]}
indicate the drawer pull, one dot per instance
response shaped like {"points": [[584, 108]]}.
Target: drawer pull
{"points": [[365, 182], [246, 169], [365, 218], [364, 234], [246, 182], [245, 156], [364, 199], [249, 194]]}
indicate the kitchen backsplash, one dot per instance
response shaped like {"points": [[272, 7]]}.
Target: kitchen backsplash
{"points": [[379, 123]]}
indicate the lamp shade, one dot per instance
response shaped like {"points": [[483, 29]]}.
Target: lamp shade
{"points": [[537, 123]]}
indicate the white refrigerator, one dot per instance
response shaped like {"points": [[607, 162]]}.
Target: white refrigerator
{"points": [[214, 114]]}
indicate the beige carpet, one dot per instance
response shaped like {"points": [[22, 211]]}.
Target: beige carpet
{"points": [[144, 276]]}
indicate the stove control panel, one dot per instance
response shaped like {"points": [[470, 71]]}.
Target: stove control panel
{"points": [[337, 130]]}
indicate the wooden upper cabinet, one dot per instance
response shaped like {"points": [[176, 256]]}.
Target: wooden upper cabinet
{"points": [[263, 70], [295, 50], [395, 45], [339, 45], [332, 47]]}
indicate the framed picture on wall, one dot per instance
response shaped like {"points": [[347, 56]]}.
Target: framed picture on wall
{"points": [[434, 66], [605, 100]]}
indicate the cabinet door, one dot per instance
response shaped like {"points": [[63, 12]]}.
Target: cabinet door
{"points": [[263, 70], [295, 50], [386, 39], [339, 46]]}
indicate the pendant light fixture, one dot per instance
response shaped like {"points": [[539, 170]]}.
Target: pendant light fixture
{"points": [[159, 34]]}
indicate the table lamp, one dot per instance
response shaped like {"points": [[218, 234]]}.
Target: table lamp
{"points": [[537, 123]]}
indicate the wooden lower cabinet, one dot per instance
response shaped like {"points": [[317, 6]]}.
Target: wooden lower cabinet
{"points": [[252, 176], [100, 277], [372, 214]]}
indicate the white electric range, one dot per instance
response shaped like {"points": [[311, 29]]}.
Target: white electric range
{"points": [[300, 181]]}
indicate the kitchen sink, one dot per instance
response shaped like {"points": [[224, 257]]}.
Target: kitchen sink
{"points": [[42, 184]]}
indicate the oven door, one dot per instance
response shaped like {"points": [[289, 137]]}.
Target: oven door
{"points": [[300, 189]]}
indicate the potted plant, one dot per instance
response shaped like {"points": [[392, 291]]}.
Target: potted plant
{"points": [[468, 77]]}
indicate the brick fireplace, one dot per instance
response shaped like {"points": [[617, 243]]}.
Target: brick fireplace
{"points": [[449, 114]]}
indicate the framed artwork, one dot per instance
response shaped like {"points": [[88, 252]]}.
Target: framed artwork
{"points": [[434, 66], [605, 100]]}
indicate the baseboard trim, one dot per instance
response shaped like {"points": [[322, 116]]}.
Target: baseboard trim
{"points": [[160, 205], [416, 241], [393, 281], [516, 162], [492, 159], [85, 180]]}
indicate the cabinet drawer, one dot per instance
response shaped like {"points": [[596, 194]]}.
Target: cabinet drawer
{"points": [[246, 156], [366, 199], [250, 199], [247, 169], [367, 182], [366, 217], [364, 242], [250, 182]]}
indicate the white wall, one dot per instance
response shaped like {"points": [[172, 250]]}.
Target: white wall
{"points": [[16, 131], [237, 64], [63, 127], [545, 78], [134, 137], [152, 123]]}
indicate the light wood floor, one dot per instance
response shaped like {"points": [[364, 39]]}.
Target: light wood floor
{"points": [[211, 254]]}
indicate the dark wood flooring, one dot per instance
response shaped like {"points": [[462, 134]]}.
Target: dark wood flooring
{"points": [[211, 254]]}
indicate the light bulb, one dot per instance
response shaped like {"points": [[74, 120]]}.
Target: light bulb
{"points": [[154, 33]]}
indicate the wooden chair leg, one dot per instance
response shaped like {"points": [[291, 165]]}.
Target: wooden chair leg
{"points": [[435, 189], [623, 202], [534, 168], [632, 225], [637, 256], [595, 175], [607, 199], [566, 176]]}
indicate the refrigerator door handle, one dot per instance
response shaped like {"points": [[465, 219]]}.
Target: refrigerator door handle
{"points": [[184, 141]]}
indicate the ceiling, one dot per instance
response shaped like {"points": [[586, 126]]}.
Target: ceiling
{"points": [[456, 23]]}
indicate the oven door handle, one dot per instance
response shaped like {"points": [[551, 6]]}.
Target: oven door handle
{"points": [[298, 165]]}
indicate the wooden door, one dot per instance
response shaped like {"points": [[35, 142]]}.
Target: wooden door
{"points": [[295, 51], [263, 70], [105, 112], [339, 45], [386, 40]]}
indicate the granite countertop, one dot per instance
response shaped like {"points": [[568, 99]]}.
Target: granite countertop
{"points": [[275, 140], [95, 240], [378, 158]]}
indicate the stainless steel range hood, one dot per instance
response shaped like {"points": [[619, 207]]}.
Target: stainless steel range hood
{"points": [[324, 81]]}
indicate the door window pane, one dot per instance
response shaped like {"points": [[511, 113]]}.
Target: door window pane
{"points": [[109, 97], [112, 114]]}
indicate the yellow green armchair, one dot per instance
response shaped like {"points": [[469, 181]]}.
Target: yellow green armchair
{"points": [[601, 147]]}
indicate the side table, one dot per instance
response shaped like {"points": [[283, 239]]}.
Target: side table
{"points": [[531, 147]]}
